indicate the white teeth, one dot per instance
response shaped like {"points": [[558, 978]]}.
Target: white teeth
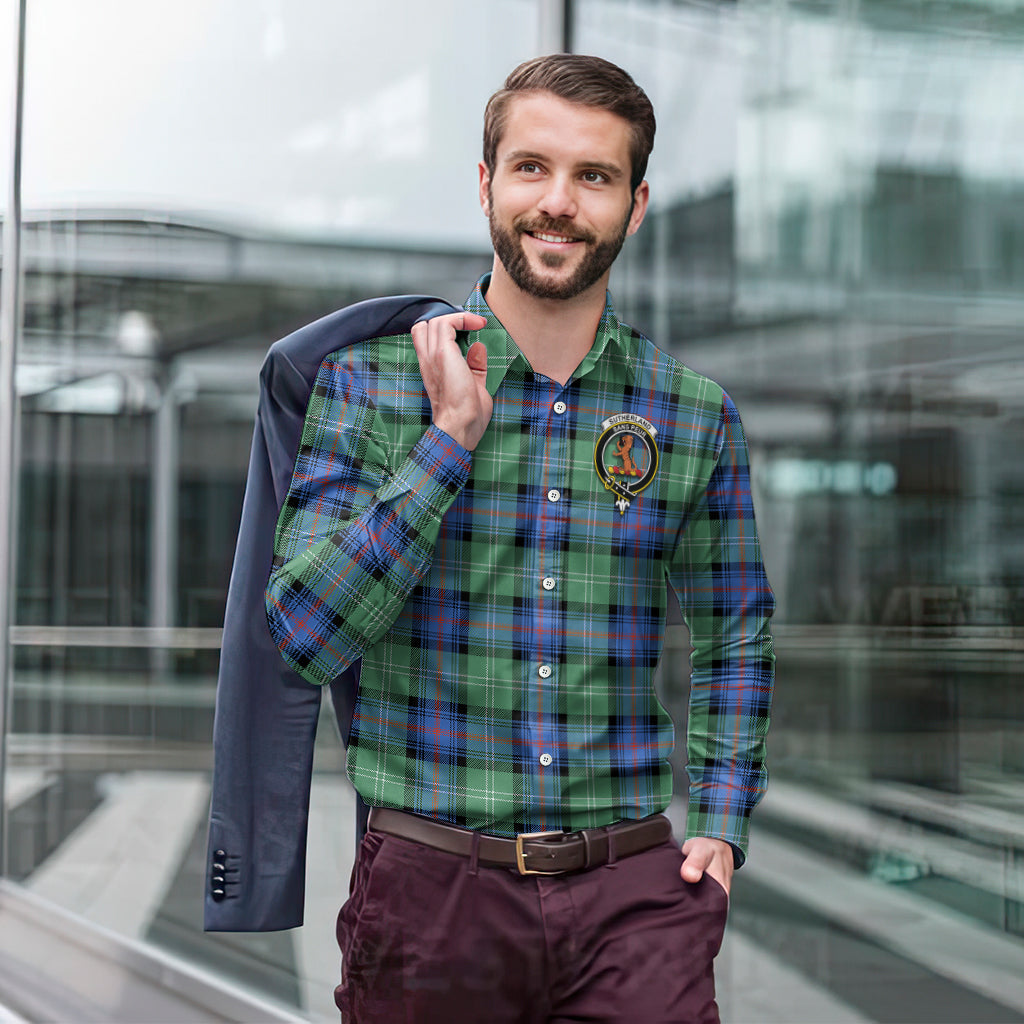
{"points": [[551, 238]]}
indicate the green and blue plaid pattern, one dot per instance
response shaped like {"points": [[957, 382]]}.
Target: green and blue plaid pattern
{"points": [[508, 615]]}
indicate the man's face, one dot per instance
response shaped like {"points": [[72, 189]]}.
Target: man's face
{"points": [[559, 202]]}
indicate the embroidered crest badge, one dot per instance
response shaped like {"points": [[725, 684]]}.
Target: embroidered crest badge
{"points": [[626, 456]]}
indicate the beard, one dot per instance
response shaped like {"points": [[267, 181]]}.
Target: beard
{"points": [[599, 255]]}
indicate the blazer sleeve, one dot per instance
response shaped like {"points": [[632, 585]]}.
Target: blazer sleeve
{"points": [[266, 714]]}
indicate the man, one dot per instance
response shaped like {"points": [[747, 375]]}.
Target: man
{"points": [[487, 514]]}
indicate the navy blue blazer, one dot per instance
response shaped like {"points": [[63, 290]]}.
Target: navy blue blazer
{"points": [[266, 714]]}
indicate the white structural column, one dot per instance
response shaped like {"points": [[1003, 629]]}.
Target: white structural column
{"points": [[163, 558]]}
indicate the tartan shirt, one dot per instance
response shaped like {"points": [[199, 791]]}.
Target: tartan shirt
{"points": [[509, 606]]}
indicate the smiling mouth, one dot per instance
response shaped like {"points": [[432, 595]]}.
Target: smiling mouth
{"points": [[546, 237]]}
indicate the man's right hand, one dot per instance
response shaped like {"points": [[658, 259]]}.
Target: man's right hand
{"points": [[456, 386]]}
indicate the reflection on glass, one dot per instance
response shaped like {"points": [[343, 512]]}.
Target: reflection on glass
{"points": [[836, 237], [200, 179], [357, 121]]}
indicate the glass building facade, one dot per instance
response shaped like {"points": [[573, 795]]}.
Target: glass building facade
{"points": [[836, 235]]}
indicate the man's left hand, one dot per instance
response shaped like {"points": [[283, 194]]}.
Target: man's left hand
{"points": [[711, 855]]}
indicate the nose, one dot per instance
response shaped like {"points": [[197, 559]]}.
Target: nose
{"points": [[559, 198]]}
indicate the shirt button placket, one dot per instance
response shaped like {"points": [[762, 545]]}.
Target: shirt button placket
{"points": [[558, 467]]}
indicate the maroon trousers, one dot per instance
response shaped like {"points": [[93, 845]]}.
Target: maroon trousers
{"points": [[432, 938]]}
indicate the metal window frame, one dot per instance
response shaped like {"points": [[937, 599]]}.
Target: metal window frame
{"points": [[10, 327]]}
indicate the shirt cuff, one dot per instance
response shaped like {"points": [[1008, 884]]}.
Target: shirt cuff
{"points": [[730, 828]]}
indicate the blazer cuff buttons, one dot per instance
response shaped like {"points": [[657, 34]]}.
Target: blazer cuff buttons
{"points": [[218, 875]]}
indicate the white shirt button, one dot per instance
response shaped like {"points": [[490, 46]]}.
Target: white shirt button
{"points": [[554, 494], [548, 584], [544, 671], [560, 407], [545, 759]]}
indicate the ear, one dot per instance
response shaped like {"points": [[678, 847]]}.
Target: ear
{"points": [[485, 183], [641, 197]]}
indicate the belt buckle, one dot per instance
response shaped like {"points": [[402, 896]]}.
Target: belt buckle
{"points": [[521, 855]]}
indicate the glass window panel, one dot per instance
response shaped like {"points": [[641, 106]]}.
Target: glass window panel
{"points": [[835, 236], [331, 119], [200, 179]]}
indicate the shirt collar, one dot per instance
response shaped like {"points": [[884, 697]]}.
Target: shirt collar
{"points": [[612, 337]]}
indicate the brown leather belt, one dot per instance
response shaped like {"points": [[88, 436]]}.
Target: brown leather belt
{"points": [[530, 853]]}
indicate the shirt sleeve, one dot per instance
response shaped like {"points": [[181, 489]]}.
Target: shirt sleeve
{"points": [[726, 601], [355, 533]]}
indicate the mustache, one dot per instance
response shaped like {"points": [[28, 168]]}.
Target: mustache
{"points": [[552, 226]]}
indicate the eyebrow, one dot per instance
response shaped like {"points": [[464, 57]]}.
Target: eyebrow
{"points": [[613, 171]]}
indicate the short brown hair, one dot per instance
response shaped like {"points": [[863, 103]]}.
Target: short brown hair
{"points": [[577, 78]]}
